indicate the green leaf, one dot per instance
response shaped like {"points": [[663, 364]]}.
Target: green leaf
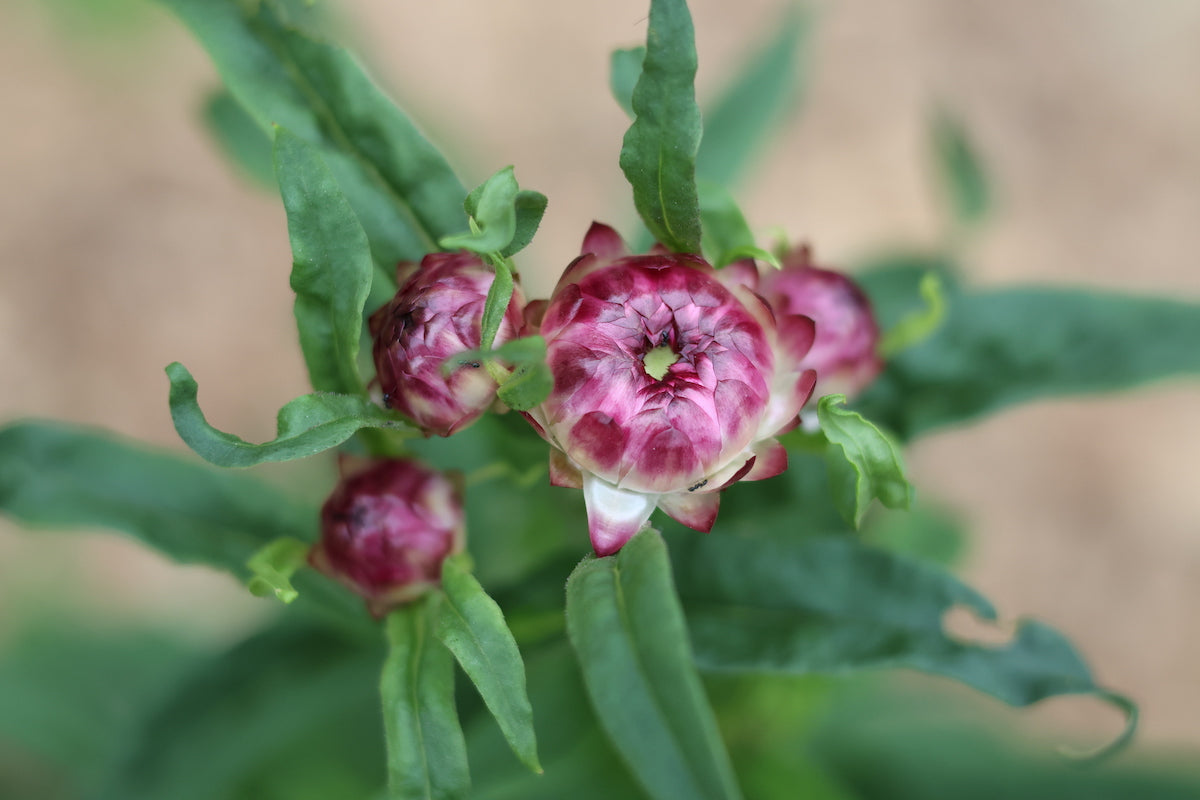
{"points": [[864, 462], [727, 237], [920, 324], [625, 67], [625, 624], [75, 695], [580, 763], [658, 155], [245, 144], [56, 475], [738, 124], [305, 426], [331, 265], [426, 753], [530, 207], [252, 717], [529, 385], [1006, 346], [472, 627], [491, 207], [495, 305], [830, 604], [959, 169], [401, 188], [273, 567]]}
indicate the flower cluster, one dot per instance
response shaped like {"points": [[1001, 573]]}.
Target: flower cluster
{"points": [[671, 381]]}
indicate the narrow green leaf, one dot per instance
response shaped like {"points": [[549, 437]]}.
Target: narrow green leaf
{"points": [[274, 565], [472, 627], [830, 604], [864, 462], [625, 624], [495, 305], [530, 207], [308, 425], [738, 124], [245, 144], [529, 385], [1000, 347], [625, 67], [426, 752], [959, 169], [56, 475], [492, 210], [331, 265], [256, 715], [403, 191], [727, 237], [919, 325], [658, 155]]}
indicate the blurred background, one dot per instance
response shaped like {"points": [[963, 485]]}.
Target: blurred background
{"points": [[127, 242]]}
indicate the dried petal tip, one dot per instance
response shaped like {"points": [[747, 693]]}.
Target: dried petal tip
{"points": [[847, 335], [434, 316], [386, 530]]}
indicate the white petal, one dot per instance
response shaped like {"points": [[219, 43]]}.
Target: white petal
{"points": [[614, 515]]}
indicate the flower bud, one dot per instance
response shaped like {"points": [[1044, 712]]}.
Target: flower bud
{"points": [[434, 316], [844, 351], [668, 386], [386, 530]]}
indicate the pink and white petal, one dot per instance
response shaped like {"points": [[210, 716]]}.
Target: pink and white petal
{"points": [[697, 511], [562, 472], [785, 404], [770, 459], [614, 515]]}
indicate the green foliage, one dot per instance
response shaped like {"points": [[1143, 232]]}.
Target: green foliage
{"points": [[307, 425], [58, 475], [627, 628], [331, 265], [503, 217], [472, 627], [401, 188], [625, 67], [250, 718], [959, 170], [737, 125], [864, 462], [73, 694], [999, 347], [831, 604], [426, 753], [727, 237], [245, 144], [274, 565], [658, 156]]}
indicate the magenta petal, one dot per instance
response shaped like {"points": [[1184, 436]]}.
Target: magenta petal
{"points": [[697, 511], [770, 459], [614, 515], [603, 241]]}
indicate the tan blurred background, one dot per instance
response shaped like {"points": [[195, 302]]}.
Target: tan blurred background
{"points": [[126, 243]]}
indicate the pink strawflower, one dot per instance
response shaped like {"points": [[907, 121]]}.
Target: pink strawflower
{"points": [[386, 530], [434, 316], [668, 386], [844, 353]]}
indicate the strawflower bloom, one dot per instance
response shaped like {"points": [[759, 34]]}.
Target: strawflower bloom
{"points": [[844, 353], [386, 529], [434, 316], [669, 385]]}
